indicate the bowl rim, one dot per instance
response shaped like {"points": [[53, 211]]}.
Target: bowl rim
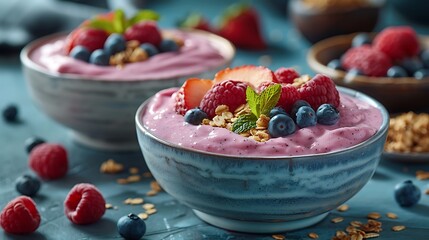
{"points": [[353, 93], [298, 7], [340, 75], [29, 63]]}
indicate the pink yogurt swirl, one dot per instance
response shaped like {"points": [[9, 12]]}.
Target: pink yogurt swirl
{"points": [[197, 55], [358, 122]]}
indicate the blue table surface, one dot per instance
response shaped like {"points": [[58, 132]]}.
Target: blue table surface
{"points": [[173, 220]]}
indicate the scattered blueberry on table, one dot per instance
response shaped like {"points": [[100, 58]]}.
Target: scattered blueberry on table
{"points": [[131, 227], [407, 194], [10, 113], [32, 142], [27, 185]]}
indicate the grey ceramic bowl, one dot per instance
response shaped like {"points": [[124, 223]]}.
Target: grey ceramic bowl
{"points": [[262, 194], [99, 112]]}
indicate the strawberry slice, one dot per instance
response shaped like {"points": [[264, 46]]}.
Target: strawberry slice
{"points": [[319, 90], [90, 38], [240, 25], [195, 21], [191, 93], [253, 75]]}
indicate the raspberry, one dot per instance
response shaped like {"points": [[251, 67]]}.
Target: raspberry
{"points": [[369, 61], [230, 93], [20, 216], [49, 161], [285, 75], [144, 32], [397, 42], [84, 204], [288, 96], [319, 90]]}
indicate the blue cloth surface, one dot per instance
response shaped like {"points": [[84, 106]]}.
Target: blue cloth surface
{"points": [[174, 221]]}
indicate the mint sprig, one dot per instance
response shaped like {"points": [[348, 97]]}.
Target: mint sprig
{"points": [[258, 104]]}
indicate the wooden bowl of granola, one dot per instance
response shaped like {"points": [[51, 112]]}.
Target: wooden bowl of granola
{"points": [[317, 20]]}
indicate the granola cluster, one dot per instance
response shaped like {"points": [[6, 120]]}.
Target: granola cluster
{"points": [[408, 132], [335, 4], [225, 118]]}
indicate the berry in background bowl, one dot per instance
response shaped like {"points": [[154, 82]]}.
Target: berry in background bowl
{"points": [[241, 158], [93, 79], [333, 17], [391, 66]]}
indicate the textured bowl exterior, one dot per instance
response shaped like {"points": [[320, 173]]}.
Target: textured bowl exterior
{"points": [[264, 189], [98, 110]]}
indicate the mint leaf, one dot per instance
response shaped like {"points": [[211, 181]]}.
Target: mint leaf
{"points": [[102, 24], [269, 98], [244, 123], [119, 21], [252, 99], [143, 15]]}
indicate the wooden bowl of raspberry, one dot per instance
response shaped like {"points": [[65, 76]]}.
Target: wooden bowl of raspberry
{"points": [[392, 66]]}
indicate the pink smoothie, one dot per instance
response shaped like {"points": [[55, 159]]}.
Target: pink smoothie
{"points": [[197, 55], [358, 122]]}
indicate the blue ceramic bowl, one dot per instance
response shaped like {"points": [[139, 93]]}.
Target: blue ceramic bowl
{"points": [[262, 194]]}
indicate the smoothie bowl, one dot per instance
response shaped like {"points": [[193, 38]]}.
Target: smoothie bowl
{"points": [[251, 182], [96, 96]]}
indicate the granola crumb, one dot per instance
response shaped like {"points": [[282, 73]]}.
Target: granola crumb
{"points": [[343, 208], [337, 219], [278, 237], [134, 201], [134, 170], [398, 228], [143, 215], [111, 167], [391, 215], [313, 235], [374, 215]]}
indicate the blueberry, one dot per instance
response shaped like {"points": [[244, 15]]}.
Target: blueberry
{"points": [[277, 110], [168, 45], [115, 43], [424, 57], [397, 72], [407, 194], [327, 114], [131, 227], [296, 106], [422, 73], [32, 142], [305, 117], [352, 74], [195, 116], [335, 64], [411, 65], [10, 113], [150, 49], [99, 57], [80, 53], [281, 125], [361, 39], [27, 185]]}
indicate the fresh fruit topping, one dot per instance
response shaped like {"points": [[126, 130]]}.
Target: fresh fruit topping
{"points": [[91, 39], [240, 25], [306, 117], [100, 57], [80, 53], [277, 110], [195, 21], [368, 60], [407, 194], [335, 64], [424, 57], [20, 216], [191, 93], [411, 65], [150, 49], [288, 96], [84, 204], [253, 75], [396, 71], [397, 42], [195, 116], [319, 90], [297, 104], [361, 39], [115, 43], [327, 114], [285, 75], [420, 74], [352, 73], [131, 227], [168, 45], [230, 93], [260, 106], [281, 125], [49, 161], [27, 185], [10, 113], [32, 142], [144, 32]]}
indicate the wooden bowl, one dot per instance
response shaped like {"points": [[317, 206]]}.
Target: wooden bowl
{"points": [[315, 25], [396, 94]]}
